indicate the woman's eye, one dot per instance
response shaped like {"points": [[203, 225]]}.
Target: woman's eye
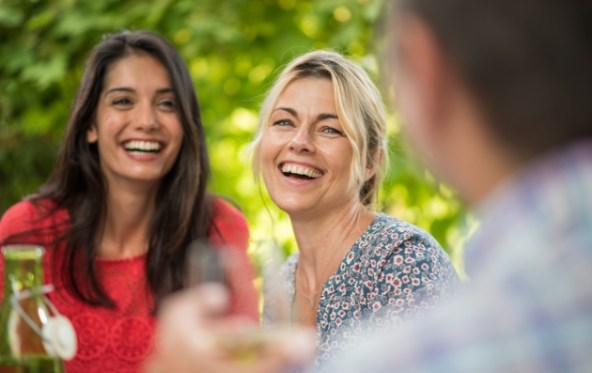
{"points": [[282, 123], [122, 101], [169, 105], [331, 131]]}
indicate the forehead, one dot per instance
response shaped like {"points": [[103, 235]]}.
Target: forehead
{"points": [[308, 93], [135, 69]]}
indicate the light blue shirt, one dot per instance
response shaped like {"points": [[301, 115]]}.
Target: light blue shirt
{"points": [[528, 307]]}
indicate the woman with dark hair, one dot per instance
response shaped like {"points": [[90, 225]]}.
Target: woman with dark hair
{"points": [[126, 200]]}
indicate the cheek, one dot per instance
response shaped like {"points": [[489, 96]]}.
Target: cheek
{"points": [[342, 163], [410, 106], [176, 135], [107, 125], [267, 149], [407, 102], [176, 130], [267, 154], [343, 160]]}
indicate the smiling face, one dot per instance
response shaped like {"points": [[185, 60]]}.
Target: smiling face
{"points": [[305, 157], [137, 129]]}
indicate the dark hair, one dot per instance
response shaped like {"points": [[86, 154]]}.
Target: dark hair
{"points": [[527, 62], [182, 212]]}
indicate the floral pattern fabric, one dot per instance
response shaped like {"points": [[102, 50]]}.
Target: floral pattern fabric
{"points": [[395, 271]]}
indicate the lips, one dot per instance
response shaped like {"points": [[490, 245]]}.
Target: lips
{"points": [[300, 171], [142, 146]]}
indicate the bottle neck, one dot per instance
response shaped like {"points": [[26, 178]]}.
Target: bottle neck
{"points": [[22, 268]]}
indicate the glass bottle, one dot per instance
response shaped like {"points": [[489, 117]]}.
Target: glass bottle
{"points": [[22, 347]]}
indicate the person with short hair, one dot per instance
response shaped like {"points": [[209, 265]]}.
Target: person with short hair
{"points": [[495, 96]]}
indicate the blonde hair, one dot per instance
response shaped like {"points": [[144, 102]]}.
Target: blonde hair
{"points": [[359, 108]]}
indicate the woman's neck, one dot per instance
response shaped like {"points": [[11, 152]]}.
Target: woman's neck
{"points": [[127, 223], [324, 241]]}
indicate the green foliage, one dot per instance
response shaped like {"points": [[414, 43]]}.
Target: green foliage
{"points": [[233, 49]]}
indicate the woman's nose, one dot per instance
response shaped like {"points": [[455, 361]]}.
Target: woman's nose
{"points": [[147, 118], [302, 141]]}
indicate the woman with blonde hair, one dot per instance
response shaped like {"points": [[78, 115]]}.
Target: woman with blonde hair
{"points": [[321, 149]]}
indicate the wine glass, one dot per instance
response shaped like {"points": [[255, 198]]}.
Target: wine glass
{"points": [[234, 339]]}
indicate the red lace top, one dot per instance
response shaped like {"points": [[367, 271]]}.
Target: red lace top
{"points": [[118, 340]]}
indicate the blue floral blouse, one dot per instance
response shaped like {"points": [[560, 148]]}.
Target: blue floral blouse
{"points": [[394, 271]]}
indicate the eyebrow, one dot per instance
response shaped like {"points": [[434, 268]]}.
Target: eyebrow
{"points": [[132, 90], [320, 117]]}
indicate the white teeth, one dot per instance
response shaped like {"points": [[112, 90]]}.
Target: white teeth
{"points": [[143, 146], [300, 170]]}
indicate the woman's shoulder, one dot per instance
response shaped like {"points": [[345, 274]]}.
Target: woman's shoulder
{"points": [[226, 213], [28, 211], [392, 242], [408, 253], [228, 225], [19, 210], [389, 229], [29, 214]]}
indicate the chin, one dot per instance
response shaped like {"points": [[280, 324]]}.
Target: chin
{"points": [[290, 207]]}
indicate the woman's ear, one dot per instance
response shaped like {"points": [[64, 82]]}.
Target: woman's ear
{"points": [[91, 134], [373, 164]]}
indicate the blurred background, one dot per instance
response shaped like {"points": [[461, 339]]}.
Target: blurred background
{"points": [[234, 49]]}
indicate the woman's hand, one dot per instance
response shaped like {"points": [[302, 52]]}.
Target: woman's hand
{"points": [[194, 336]]}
